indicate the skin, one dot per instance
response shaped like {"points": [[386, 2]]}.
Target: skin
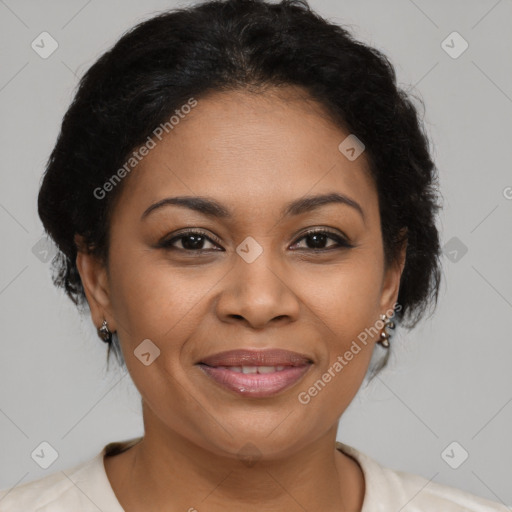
{"points": [[253, 154]]}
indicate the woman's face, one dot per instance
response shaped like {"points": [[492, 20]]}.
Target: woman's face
{"points": [[255, 280]]}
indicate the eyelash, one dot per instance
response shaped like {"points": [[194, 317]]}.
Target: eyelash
{"points": [[342, 243]]}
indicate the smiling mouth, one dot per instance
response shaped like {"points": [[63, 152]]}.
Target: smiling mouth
{"points": [[257, 374]]}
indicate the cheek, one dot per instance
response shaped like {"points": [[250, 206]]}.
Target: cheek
{"points": [[149, 296], [346, 305], [329, 394], [346, 298]]}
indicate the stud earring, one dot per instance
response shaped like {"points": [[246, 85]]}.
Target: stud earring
{"points": [[384, 335], [104, 332]]}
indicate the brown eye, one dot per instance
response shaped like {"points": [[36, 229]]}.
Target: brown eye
{"points": [[317, 240], [190, 241]]}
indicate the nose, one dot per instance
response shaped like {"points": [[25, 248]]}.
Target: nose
{"points": [[258, 294]]}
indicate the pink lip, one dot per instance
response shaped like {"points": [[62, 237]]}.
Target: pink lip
{"points": [[255, 384], [267, 357]]}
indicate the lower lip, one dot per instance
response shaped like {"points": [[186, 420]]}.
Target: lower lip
{"points": [[255, 384]]}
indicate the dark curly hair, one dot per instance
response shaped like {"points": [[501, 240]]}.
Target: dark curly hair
{"points": [[231, 45]]}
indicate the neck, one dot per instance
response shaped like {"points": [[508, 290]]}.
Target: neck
{"points": [[166, 468]]}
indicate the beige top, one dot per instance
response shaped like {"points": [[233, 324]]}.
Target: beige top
{"points": [[86, 488]]}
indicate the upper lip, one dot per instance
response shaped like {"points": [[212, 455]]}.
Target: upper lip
{"points": [[268, 357]]}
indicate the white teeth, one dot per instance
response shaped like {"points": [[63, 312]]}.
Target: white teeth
{"points": [[266, 369], [254, 369]]}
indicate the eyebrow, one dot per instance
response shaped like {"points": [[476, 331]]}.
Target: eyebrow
{"points": [[212, 208]]}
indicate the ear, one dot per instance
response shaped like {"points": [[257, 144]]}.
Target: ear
{"points": [[391, 281], [94, 276]]}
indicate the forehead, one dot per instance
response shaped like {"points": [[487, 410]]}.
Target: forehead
{"points": [[265, 148]]}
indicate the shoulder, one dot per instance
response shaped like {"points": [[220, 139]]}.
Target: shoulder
{"points": [[83, 487], [389, 489], [423, 494], [54, 492]]}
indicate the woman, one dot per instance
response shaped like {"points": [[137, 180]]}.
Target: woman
{"points": [[246, 202]]}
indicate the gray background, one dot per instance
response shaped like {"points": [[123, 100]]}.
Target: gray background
{"points": [[449, 379]]}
